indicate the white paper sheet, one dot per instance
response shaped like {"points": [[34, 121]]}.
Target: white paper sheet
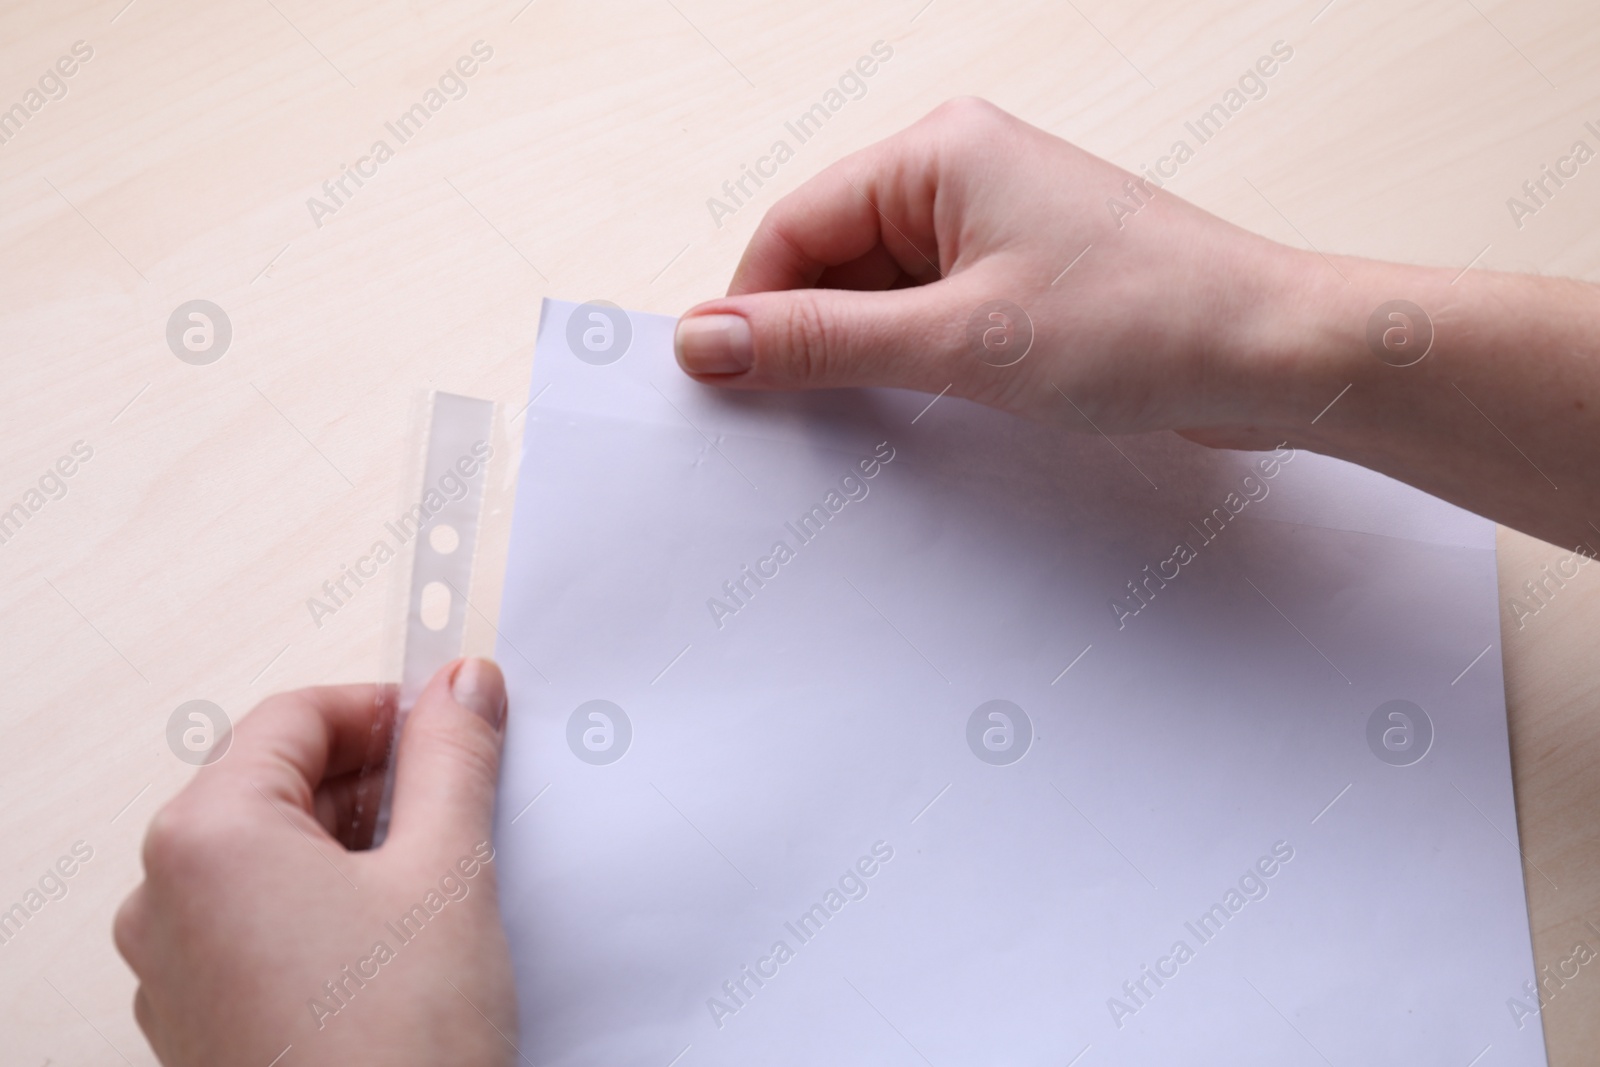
{"points": [[830, 735]]}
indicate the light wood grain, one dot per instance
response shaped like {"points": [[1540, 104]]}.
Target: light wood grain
{"points": [[218, 498]]}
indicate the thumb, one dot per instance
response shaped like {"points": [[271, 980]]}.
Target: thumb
{"points": [[914, 338], [449, 757]]}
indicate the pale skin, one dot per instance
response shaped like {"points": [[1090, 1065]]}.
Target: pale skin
{"points": [[257, 888], [1173, 320]]}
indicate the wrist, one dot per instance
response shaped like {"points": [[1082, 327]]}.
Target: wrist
{"points": [[1285, 341], [1323, 346]]}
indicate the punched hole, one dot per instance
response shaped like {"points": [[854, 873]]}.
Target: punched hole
{"points": [[444, 539], [435, 607]]}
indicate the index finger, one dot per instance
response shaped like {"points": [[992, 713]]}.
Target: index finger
{"points": [[868, 216], [290, 743]]}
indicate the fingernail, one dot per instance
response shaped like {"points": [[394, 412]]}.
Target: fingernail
{"points": [[479, 687], [714, 344]]}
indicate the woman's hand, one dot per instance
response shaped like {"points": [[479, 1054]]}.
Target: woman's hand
{"points": [[976, 254], [258, 927], [894, 266]]}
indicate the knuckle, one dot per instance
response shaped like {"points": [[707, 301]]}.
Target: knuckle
{"points": [[127, 928], [478, 755], [968, 111], [166, 840], [784, 219], [809, 340], [469, 746], [183, 841], [143, 1014], [969, 129]]}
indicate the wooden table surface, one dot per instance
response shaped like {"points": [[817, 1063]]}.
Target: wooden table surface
{"points": [[180, 160]]}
